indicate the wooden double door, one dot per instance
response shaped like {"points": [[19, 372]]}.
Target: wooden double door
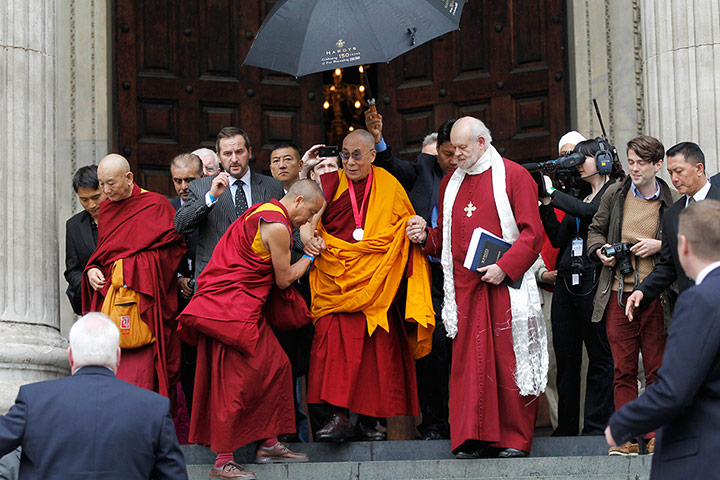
{"points": [[180, 79]]}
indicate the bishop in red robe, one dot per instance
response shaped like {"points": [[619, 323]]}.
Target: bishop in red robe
{"points": [[136, 226], [243, 378], [488, 415]]}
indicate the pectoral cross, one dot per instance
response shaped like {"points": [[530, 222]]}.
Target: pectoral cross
{"points": [[470, 209]]}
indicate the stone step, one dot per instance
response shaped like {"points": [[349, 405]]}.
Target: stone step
{"points": [[404, 450], [565, 468], [582, 458]]}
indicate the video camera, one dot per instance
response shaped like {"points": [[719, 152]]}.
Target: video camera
{"points": [[566, 175]]}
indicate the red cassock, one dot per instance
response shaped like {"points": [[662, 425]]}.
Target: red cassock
{"points": [[372, 375], [243, 379], [140, 230], [485, 403]]}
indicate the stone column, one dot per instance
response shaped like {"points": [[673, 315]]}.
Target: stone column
{"points": [[604, 61], [681, 52], [31, 348]]}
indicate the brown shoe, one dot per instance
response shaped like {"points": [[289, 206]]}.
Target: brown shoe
{"points": [[627, 448], [231, 470], [278, 453], [337, 429]]}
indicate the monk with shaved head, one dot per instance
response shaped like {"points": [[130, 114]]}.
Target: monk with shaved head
{"points": [[132, 276], [243, 379]]}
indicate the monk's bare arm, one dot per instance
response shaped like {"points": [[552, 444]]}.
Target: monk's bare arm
{"points": [[276, 238]]}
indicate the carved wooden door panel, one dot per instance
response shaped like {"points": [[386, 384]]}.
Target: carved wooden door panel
{"points": [[505, 66], [180, 80]]}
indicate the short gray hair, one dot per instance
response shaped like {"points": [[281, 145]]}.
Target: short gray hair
{"points": [[200, 152], [94, 340], [431, 138]]}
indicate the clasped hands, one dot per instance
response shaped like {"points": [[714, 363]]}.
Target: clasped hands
{"points": [[315, 245], [417, 233]]}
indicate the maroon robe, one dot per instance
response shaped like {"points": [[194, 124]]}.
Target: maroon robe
{"points": [[485, 403], [140, 230], [243, 378], [371, 375]]}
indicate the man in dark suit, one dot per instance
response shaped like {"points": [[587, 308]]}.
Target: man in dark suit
{"points": [[684, 401], [421, 180], [216, 201], [91, 424], [81, 232], [715, 179], [184, 169], [686, 166]]}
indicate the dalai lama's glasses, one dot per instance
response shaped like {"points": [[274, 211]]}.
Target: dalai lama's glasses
{"points": [[357, 155]]}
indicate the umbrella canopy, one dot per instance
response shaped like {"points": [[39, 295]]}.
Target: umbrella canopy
{"points": [[300, 37]]}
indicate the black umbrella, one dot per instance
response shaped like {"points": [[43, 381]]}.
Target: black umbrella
{"points": [[300, 37]]}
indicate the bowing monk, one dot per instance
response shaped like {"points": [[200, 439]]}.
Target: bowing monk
{"points": [[243, 379], [499, 351], [370, 297], [132, 276]]}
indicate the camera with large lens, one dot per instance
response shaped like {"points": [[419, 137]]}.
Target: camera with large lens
{"points": [[621, 251]]}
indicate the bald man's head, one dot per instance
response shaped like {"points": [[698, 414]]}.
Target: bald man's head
{"points": [[303, 201], [115, 178]]}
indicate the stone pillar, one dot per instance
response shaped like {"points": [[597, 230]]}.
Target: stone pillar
{"points": [[82, 110], [605, 63], [681, 52], [31, 348]]}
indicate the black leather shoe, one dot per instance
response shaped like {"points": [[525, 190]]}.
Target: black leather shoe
{"points": [[432, 435], [337, 429], [475, 449], [512, 453], [366, 433]]}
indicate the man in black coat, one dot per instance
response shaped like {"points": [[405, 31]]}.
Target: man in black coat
{"points": [[214, 202], [684, 402], [81, 232], [421, 180], [686, 166], [91, 424]]}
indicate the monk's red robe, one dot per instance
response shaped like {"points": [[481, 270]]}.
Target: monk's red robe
{"points": [[140, 230], [362, 352], [485, 403], [243, 379]]}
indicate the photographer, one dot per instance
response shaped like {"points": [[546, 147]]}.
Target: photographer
{"points": [[625, 237], [572, 303]]}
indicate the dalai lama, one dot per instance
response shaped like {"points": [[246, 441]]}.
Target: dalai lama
{"points": [[370, 296]]}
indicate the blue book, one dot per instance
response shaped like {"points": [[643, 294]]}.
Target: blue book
{"points": [[486, 249]]}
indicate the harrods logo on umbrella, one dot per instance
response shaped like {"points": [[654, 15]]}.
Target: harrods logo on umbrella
{"points": [[341, 54], [451, 6]]}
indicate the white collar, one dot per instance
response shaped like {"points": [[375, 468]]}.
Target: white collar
{"points": [[706, 271]]}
